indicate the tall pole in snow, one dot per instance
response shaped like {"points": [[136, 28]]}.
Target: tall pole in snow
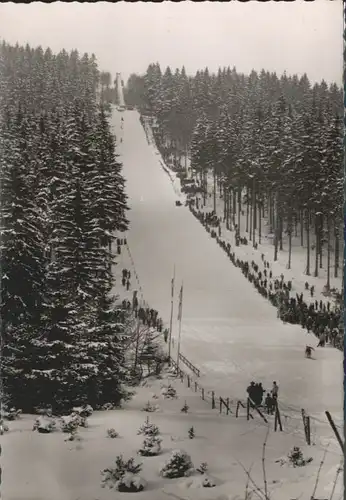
{"points": [[171, 320], [180, 315]]}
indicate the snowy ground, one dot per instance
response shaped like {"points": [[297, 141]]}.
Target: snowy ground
{"points": [[229, 331], [45, 467]]}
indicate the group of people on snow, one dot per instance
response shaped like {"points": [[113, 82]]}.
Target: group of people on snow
{"points": [[317, 317], [256, 392]]}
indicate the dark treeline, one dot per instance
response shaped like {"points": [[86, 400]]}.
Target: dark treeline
{"points": [[62, 200], [273, 144]]}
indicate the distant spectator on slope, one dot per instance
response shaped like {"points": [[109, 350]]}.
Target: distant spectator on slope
{"points": [[275, 390]]}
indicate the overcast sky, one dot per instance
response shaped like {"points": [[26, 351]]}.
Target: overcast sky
{"points": [[296, 36]]}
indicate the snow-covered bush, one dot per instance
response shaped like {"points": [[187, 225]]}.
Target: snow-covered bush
{"points": [[296, 458], [149, 407], [74, 436], [130, 483], [208, 482], [169, 392], [112, 433], [149, 429], [44, 425], [3, 427], [70, 423], [185, 408], [179, 464], [107, 407], [83, 411], [151, 446], [202, 469], [48, 412], [111, 476], [11, 413]]}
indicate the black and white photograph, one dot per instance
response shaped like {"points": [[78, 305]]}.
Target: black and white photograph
{"points": [[172, 250]]}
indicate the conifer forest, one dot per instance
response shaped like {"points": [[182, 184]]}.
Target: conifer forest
{"points": [[272, 143], [63, 198]]}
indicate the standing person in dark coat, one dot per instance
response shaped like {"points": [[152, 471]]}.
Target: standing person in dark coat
{"points": [[251, 390], [269, 404], [127, 284], [260, 392], [123, 281], [275, 390]]}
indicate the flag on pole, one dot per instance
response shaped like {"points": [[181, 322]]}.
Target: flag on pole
{"points": [[180, 308]]}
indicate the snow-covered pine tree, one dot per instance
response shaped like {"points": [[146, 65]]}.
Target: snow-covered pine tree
{"points": [[22, 245]]}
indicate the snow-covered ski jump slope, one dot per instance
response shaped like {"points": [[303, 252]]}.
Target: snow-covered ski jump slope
{"points": [[228, 330]]}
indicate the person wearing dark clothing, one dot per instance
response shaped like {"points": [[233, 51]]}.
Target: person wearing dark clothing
{"points": [[260, 392], [128, 284], [269, 404], [251, 390], [123, 281]]}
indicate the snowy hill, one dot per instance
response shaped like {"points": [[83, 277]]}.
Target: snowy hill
{"points": [[229, 332]]}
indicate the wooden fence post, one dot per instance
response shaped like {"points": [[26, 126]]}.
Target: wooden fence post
{"points": [[248, 409], [335, 430], [308, 436], [220, 405], [196, 386], [304, 423], [276, 420], [237, 410], [203, 393], [212, 400], [278, 416], [188, 380], [227, 409]]}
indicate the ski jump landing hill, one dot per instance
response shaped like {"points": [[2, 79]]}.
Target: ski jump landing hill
{"points": [[229, 331]]}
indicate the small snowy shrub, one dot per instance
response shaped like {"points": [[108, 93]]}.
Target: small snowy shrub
{"points": [[169, 392], [74, 436], [112, 475], [149, 407], [185, 408], [191, 432], [148, 429], [179, 464], [151, 446], [47, 412], [112, 433], [83, 411], [3, 427], [107, 407], [208, 482], [130, 483], [11, 414], [202, 469], [296, 458], [71, 423], [44, 425]]}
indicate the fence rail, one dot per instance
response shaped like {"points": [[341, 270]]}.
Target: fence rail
{"points": [[189, 365]]}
